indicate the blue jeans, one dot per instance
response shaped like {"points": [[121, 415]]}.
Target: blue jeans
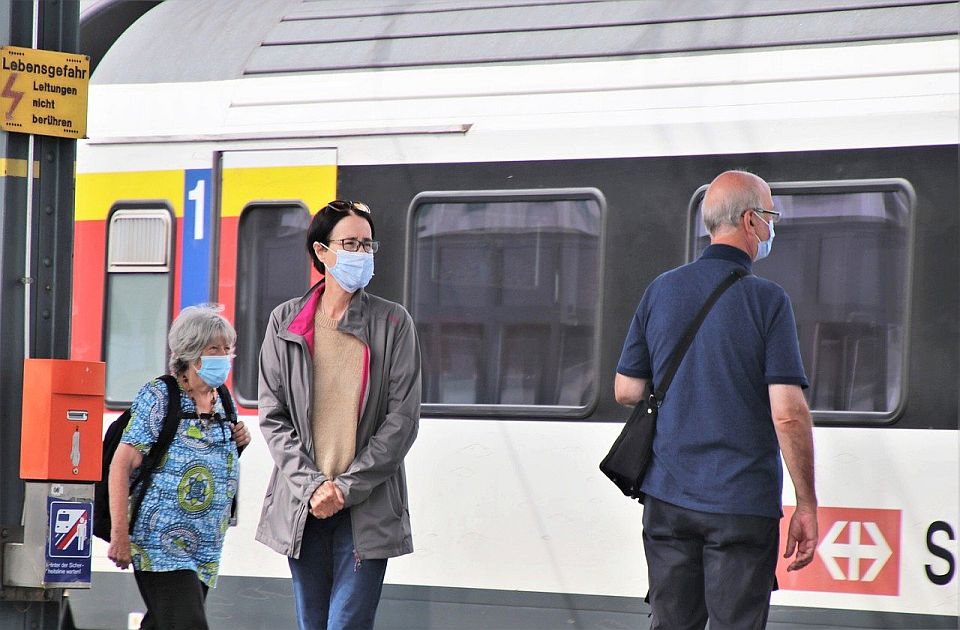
{"points": [[333, 588]]}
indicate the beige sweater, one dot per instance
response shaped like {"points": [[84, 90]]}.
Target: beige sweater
{"points": [[337, 375]]}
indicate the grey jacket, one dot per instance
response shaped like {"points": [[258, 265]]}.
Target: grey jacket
{"points": [[374, 486]]}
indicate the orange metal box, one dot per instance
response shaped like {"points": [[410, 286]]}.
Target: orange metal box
{"points": [[61, 435]]}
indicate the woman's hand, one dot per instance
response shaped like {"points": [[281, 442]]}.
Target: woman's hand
{"points": [[241, 434], [119, 551], [326, 501], [125, 460]]}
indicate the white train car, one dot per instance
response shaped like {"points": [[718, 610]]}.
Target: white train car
{"points": [[532, 165]]}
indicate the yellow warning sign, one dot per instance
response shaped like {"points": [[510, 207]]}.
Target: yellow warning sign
{"points": [[44, 92]]}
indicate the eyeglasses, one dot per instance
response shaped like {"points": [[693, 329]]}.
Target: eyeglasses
{"points": [[346, 205], [354, 245], [774, 215]]}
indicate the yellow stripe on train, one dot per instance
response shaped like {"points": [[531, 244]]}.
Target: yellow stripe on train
{"points": [[313, 186], [98, 192]]}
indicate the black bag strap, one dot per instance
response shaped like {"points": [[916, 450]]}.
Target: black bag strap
{"points": [[227, 401], [171, 423], [692, 329], [230, 409]]}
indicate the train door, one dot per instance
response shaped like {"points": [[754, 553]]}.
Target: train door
{"points": [[266, 201]]}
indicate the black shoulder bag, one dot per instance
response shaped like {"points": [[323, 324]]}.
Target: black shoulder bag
{"points": [[631, 453]]}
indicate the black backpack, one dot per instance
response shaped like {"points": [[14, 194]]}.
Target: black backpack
{"points": [[140, 483]]}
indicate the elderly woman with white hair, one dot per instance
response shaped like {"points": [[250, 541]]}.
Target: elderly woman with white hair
{"points": [[179, 528]]}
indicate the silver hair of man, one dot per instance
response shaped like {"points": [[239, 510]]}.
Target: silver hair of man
{"points": [[726, 209], [195, 328]]}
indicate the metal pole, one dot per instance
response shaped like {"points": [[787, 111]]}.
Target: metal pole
{"points": [[28, 243], [37, 247]]}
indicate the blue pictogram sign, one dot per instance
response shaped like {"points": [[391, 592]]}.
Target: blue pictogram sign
{"points": [[68, 541]]}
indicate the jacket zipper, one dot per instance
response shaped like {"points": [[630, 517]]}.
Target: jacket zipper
{"points": [[364, 394]]}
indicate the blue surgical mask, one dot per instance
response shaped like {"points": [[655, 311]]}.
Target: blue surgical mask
{"points": [[214, 369], [763, 249], [353, 269]]}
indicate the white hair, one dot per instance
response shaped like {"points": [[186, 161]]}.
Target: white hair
{"points": [[727, 208], [195, 328]]}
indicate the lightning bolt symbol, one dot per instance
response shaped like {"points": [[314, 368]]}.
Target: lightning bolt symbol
{"points": [[9, 92]]}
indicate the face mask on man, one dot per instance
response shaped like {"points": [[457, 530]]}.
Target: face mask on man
{"points": [[353, 270], [214, 369], [764, 247]]}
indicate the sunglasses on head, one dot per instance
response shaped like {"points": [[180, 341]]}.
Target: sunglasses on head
{"points": [[346, 205]]}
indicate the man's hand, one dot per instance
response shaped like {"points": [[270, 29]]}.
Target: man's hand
{"points": [[119, 551], [326, 501], [802, 536]]}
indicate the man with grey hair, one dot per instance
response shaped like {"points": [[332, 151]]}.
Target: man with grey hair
{"points": [[713, 489]]}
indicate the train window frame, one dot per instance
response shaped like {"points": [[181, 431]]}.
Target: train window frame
{"points": [[247, 208], [515, 411], [902, 186], [162, 209]]}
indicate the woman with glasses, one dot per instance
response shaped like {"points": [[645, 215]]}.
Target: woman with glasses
{"points": [[179, 528], [339, 404]]}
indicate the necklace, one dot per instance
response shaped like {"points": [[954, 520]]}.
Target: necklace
{"points": [[189, 391]]}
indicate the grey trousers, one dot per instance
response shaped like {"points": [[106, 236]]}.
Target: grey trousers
{"points": [[701, 565]]}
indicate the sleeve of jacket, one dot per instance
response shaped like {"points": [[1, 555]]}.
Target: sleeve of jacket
{"points": [[381, 457], [293, 462]]}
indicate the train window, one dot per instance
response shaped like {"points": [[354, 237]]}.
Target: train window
{"points": [[504, 290], [138, 291], [272, 267], [842, 254]]}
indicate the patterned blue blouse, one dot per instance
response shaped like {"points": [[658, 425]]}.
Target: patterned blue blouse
{"points": [[186, 510]]}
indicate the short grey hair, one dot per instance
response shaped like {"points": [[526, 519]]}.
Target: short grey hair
{"points": [[726, 209], [195, 328]]}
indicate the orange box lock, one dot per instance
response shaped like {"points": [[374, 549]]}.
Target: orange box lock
{"points": [[61, 437]]}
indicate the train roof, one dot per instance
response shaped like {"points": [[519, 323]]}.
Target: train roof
{"points": [[185, 40]]}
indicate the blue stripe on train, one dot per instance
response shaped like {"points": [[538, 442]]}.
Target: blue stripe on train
{"points": [[197, 226]]}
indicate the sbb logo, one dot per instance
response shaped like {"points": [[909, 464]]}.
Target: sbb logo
{"points": [[859, 552]]}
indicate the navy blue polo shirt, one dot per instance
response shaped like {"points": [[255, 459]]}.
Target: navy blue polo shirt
{"points": [[715, 448]]}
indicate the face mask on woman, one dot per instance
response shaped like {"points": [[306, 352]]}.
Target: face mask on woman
{"points": [[214, 369], [353, 270]]}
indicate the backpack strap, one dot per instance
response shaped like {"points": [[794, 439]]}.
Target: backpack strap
{"points": [[228, 405], [230, 409], [171, 423]]}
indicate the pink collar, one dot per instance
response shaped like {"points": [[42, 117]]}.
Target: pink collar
{"points": [[302, 324]]}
